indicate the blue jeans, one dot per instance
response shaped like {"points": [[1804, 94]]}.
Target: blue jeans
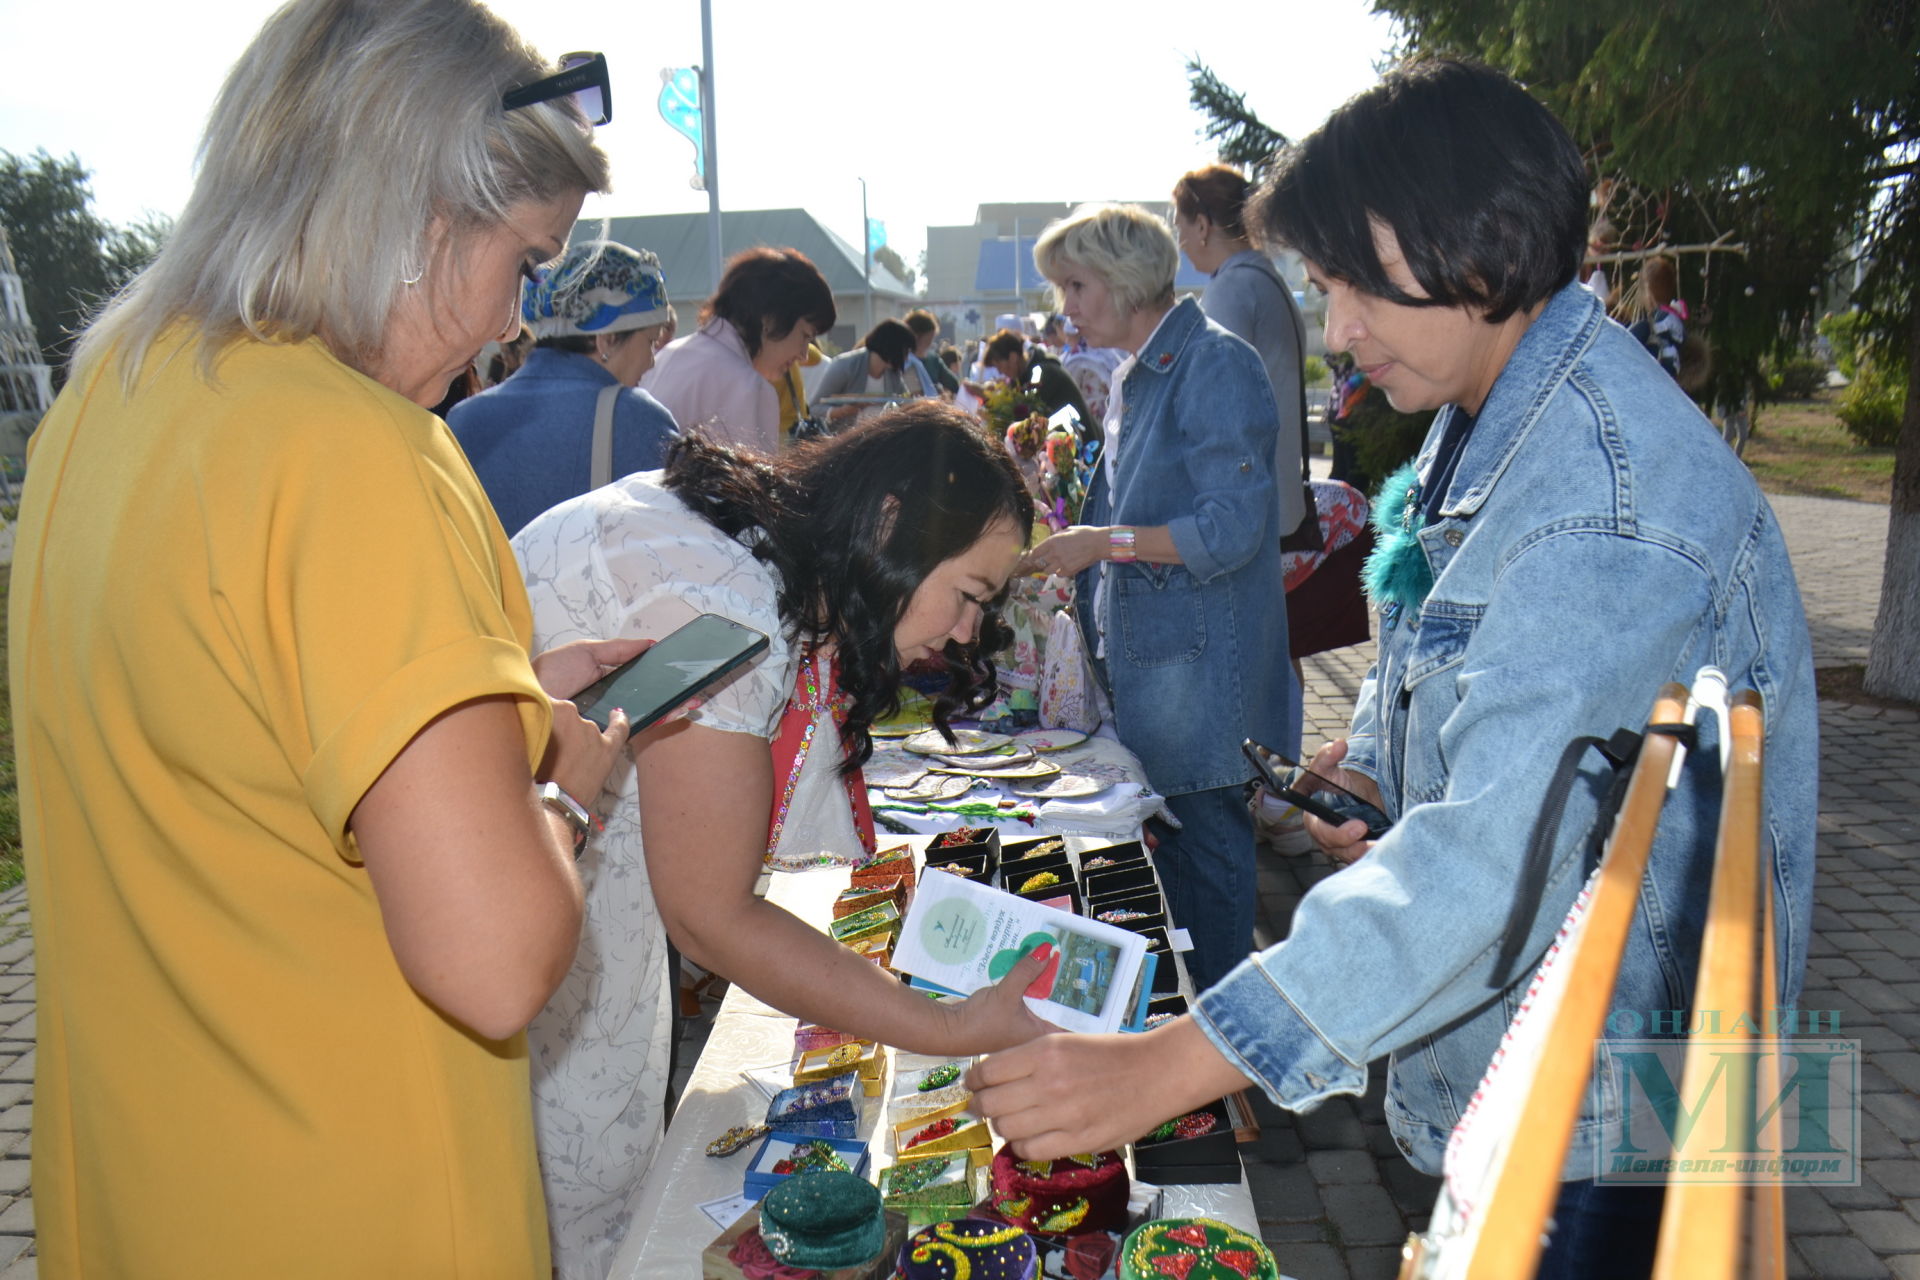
{"points": [[1207, 870], [1602, 1232]]}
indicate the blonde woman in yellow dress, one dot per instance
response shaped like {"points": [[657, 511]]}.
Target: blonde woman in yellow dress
{"points": [[296, 805]]}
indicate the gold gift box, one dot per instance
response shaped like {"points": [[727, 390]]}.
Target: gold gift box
{"points": [[888, 864], [971, 1132], [861, 896], [863, 1057], [873, 922]]}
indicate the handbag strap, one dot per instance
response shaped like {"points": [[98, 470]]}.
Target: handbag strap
{"points": [[1620, 751], [602, 468]]}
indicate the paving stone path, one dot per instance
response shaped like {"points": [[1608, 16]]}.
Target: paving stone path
{"points": [[1334, 1196]]}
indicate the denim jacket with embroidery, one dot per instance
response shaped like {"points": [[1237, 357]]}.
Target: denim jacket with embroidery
{"points": [[1196, 652], [1598, 539]]}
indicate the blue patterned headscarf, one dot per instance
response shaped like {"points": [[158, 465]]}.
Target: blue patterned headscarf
{"points": [[596, 287]]}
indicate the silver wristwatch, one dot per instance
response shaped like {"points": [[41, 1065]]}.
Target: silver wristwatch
{"points": [[552, 796]]}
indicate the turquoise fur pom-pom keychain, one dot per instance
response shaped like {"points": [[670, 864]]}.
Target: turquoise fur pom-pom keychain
{"points": [[1397, 571]]}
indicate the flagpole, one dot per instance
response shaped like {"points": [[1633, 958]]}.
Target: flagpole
{"points": [[866, 238], [710, 133]]}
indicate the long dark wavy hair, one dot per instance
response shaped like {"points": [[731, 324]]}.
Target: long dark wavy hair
{"points": [[853, 525]]}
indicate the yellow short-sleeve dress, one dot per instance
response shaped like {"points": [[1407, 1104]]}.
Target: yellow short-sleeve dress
{"points": [[233, 603]]}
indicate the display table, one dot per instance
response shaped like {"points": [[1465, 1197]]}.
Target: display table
{"points": [[669, 1230]]}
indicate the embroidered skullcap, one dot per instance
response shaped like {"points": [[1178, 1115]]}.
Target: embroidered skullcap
{"points": [[596, 287], [968, 1249], [825, 1220]]}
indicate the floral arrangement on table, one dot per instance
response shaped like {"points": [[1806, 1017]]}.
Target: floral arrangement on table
{"points": [[1006, 405], [1048, 457]]}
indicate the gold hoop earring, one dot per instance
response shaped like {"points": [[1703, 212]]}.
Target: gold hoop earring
{"points": [[415, 278]]}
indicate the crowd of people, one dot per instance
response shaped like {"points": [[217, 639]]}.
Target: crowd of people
{"points": [[335, 978]]}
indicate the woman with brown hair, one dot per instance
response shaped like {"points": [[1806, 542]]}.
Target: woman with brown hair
{"points": [[1247, 297], [719, 380]]}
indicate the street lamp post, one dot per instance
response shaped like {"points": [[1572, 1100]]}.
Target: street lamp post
{"points": [[709, 128]]}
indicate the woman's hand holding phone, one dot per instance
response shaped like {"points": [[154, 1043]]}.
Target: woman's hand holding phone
{"points": [[567, 669], [1346, 843], [579, 756]]}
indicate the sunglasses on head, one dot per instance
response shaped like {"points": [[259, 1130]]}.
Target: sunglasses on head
{"points": [[582, 76]]}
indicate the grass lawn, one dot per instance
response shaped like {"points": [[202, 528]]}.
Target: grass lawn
{"points": [[1799, 446], [11, 867]]}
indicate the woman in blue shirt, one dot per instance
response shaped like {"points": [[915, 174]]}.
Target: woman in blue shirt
{"points": [[1178, 590], [597, 316]]}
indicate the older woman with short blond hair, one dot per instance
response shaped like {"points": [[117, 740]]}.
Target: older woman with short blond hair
{"points": [[1177, 569], [298, 810]]}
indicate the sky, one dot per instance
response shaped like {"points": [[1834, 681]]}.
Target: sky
{"points": [[938, 106]]}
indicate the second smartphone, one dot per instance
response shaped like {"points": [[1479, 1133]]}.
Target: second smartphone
{"points": [[690, 659], [1297, 785]]}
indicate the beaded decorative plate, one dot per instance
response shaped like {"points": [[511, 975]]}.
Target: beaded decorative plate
{"points": [[967, 742], [1050, 739], [893, 770], [1067, 785], [1006, 757], [898, 728], [1025, 769], [935, 786]]}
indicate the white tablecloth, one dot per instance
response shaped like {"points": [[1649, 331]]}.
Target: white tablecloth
{"points": [[669, 1231]]}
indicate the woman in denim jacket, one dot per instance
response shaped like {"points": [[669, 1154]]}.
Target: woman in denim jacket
{"points": [[1574, 535], [1178, 590]]}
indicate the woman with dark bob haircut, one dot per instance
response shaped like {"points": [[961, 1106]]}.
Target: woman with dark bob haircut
{"points": [[881, 365], [858, 554], [1573, 535], [720, 378]]}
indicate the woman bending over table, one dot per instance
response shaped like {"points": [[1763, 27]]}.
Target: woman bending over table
{"points": [[295, 892], [1178, 587], [858, 555]]}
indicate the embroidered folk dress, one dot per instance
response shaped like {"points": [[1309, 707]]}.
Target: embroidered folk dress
{"points": [[632, 560]]}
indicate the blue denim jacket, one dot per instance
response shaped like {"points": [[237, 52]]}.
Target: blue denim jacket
{"points": [[1196, 652], [1597, 540]]}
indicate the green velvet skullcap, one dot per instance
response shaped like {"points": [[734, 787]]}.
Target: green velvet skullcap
{"points": [[825, 1220]]}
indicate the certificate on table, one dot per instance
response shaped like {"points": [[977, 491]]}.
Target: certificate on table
{"points": [[727, 1210], [964, 935]]}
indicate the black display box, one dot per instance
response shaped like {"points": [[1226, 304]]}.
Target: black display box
{"points": [[1213, 1157], [987, 846], [973, 867], [1110, 881], [1126, 852], [1017, 850]]}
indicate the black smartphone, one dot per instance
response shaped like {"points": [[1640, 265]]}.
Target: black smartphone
{"points": [[680, 665], [1296, 784]]}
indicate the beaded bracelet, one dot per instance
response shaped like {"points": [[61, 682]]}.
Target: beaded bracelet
{"points": [[940, 1077], [938, 1129], [808, 862], [735, 1138]]}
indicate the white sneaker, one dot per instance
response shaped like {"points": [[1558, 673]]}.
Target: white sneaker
{"points": [[1278, 824]]}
